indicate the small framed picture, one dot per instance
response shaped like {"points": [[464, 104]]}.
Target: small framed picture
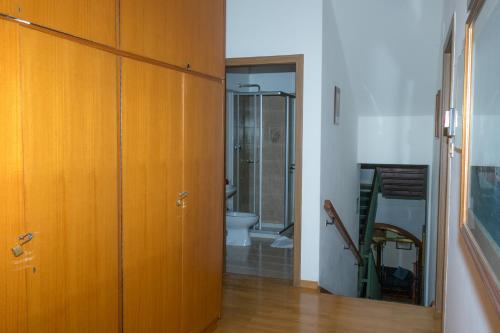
{"points": [[336, 106], [437, 115]]}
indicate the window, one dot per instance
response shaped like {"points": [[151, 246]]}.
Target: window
{"points": [[480, 209]]}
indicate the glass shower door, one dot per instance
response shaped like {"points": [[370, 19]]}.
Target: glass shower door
{"points": [[246, 152], [274, 135]]}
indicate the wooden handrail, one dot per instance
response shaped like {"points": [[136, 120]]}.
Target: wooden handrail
{"points": [[332, 213], [398, 230]]}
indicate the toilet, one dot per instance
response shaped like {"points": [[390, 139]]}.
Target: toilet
{"points": [[237, 228]]}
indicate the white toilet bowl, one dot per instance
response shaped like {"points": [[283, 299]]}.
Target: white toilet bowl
{"points": [[237, 225]]}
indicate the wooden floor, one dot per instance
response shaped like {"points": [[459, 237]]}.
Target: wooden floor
{"points": [[254, 304]]}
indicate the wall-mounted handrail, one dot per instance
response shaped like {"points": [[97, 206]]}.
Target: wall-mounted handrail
{"points": [[332, 213]]}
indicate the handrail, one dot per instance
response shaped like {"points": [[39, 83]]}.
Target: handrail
{"points": [[332, 213], [398, 230]]}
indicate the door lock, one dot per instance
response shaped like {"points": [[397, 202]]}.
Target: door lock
{"points": [[23, 239], [180, 199]]}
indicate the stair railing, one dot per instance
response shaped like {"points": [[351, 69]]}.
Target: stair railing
{"points": [[334, 216], [368, 279]]}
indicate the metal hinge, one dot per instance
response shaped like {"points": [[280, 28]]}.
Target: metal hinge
{"points": [[450, 122]]}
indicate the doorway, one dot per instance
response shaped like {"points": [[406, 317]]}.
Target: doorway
{"points": [[263, 166]]}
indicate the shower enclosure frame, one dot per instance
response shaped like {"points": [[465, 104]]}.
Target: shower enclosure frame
{"points": [[289, 167]]}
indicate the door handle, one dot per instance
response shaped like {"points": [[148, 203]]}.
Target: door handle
{"points": [[23, 239], [180, 199]]}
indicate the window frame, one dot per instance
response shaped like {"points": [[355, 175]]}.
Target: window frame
{"points": [[475, 250]]}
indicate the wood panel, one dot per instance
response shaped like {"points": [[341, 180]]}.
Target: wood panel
{"points": [[94, 20], [203, 214], [179, 32], [12, 270], [152, 178], [70, 155], [6, 7], [143, 24]]}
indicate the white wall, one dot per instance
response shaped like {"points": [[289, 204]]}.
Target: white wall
{"points": [[467, 305], [339, 170], [392, 63], [395, 139], [283, 27]]}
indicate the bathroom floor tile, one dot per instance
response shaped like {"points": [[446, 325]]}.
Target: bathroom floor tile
{"points": [[260, 259]]}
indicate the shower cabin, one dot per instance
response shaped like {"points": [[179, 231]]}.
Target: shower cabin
{"points": [[260, 157]]}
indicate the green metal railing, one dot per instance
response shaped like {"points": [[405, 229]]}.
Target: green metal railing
{"points": [[368, 277]]}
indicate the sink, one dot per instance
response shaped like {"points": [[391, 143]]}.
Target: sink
{"points": [[230, 191]]}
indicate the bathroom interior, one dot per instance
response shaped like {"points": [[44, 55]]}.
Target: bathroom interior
{"points": [[260, 166]]}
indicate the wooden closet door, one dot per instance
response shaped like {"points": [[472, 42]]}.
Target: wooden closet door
{"points": [[155, 29], [12, 270], [94, 20], [205, 25], [203, 212], [152, 179], [178, 32], [69, 107]]}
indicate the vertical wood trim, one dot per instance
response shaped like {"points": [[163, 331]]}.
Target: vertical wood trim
{"points": [[298, 60], [117, 24], [120, 190], [466, 124], [224, 202], [299, 116]]}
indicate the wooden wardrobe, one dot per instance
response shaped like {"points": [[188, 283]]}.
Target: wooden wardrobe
{"points": [[111, 165]]}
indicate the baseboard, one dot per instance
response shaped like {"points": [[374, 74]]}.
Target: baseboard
{"points": [[324, 291], [210, 328], [309, 284]]}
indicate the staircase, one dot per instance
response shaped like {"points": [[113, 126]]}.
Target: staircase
{"points": [[364, 203], [394, 182]]}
